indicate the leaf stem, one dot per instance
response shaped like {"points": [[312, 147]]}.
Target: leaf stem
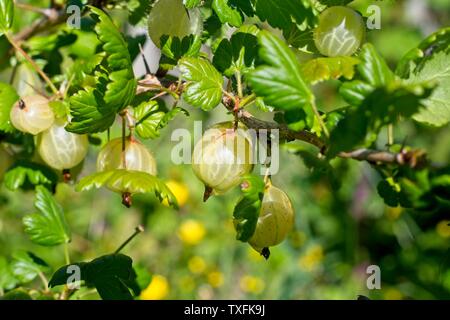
{"points": [[390, 134], [66, 253], [138, 230], [43, 280], [33, 63], [239, 84]]}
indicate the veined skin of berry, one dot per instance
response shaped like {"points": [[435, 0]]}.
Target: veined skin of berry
{"points": [[61, 149], [170, 17], [276, 219], [32, 114], [340, 32], [222, 157], [137, 157]]}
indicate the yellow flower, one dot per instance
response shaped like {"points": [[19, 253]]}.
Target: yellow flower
{"points": [[215, 279], [393, 294], [443, 229], [311, 259], [252, 284], [196, 265], [179, 190], [158, 289], [191, 232]]}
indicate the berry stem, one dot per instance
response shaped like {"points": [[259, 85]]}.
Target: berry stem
{"points": [[137, 230], [33, 63]]}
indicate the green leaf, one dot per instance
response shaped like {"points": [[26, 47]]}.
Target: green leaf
{"points": [[139, 10], [7, 279], [204, 87], [6, 15], [112, 275], [355, 92], [122, 86], [128, 181], [437, 106], [174, 48], [246, 211], [17, 294], [280, 81], [237, 54], [8, 97], [49, 226], [191, 3], [373, 68], [168, 116], [26, 175], [322, 69], [147, 119], [226, 13], [89, 112], [26, 266], [282, 14]]}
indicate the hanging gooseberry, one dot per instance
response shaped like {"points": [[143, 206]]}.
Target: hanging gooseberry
{"points": [[171, 18], [61, 149], [32, 114], [340, 32], [221, 157], [276, 219], [137, 157]]}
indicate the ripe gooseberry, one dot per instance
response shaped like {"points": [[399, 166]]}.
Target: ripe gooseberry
{"points": [[276, 219], [32, 114], [61, 149], [221, 157], [340, 32], [137, 157], [170, 17]]}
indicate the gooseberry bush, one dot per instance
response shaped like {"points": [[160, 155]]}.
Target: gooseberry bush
{"points": [[215, 54]]}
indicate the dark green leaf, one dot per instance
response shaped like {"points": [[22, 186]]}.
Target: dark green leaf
{"points": [[174, 48], [49, 226], [26, 266], [17, 294], [373, 68], [7, 279], [204, 83]]}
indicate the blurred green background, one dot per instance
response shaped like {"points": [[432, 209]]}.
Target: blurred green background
{"points": [[192, 253]]}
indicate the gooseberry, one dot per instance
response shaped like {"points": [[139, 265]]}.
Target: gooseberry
{"points": [[61, 149], [137, 157], [171, 18], [32, 114], [222, 157], [276, 219], [340, 32]]}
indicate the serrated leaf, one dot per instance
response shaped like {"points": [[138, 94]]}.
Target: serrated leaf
{"points": [[168, 116], [174, 48], [355, 92], [89, 112], [26, 175], [237, 54], [437, 107], [280, 82], [373, 68], [226, 13], [128, 181], [322, 69], [26, 266], [204, 83], [6, 15], [122, 86], [8, 97], [49, 226], [147, 119], [112, 275]]}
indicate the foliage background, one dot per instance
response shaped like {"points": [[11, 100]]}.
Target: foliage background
{"points": [[192, 253]]}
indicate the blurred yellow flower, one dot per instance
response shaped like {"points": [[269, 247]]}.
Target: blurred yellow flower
{"points": [[179, 190], [158, 289], [252, 284], [312, 258], [187, 284], [196, 265], [215, 279], [393, 294], [191, 232], [443, 229]]}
